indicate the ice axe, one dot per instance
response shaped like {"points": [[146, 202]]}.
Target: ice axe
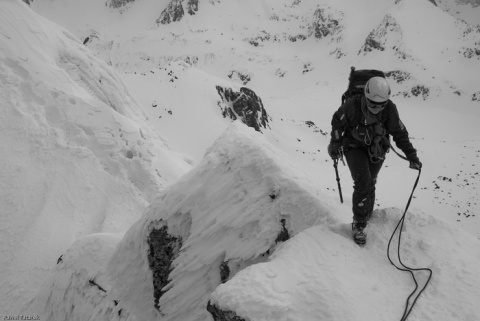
{"points": [[335, 164]]}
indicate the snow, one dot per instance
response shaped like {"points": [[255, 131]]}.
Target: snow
{"points": [[79, 155], [221, 209], [105, 142], [320, 274]]}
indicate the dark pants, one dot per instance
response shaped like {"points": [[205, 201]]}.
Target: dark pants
{"points": [[364, 175]]}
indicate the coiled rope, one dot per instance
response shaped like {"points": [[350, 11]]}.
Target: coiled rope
{"points": [[409, 304]]}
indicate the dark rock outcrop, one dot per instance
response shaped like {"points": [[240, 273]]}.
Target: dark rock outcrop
{"points": [[326, 22], [283, 236], [221, 315], [420, 90], [476, 96], [378, 37], [398, 76], [244, 105], [175, 11], [244, 77], [230, 267], [163, 249], [192, 7], [118, 3], [388, 35]]}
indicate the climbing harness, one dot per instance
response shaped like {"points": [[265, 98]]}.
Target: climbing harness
{"points": [[409, 304]]}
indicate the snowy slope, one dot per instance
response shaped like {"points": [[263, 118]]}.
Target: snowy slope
{"points": [[225, 216], [321, 275], [102, 170], [468, 10], [79, 154], [227, 211], [297, 55]]}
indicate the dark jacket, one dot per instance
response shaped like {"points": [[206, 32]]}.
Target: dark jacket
{"points": [[354, 126]]}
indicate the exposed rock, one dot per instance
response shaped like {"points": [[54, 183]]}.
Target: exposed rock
{"points": [[280, 72], [315, 128], [398, 76], [307, 67], [224, 272], [27, 1], [377, 38], [242, 76], [230, 268], [163, 249], [387, 35], [118, 3], [476, 96], [297, 38], [192, 7], [326, 22], [173, 12], [257, 41], [221, 315], [244, 105], [421, 90], [470, 34], [473, 52], [283, 235], [338, 53]]}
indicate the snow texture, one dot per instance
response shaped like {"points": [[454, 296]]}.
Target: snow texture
{"points": [[101, 219]]}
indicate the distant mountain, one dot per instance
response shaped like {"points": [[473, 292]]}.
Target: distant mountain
{"points": [[397, 37]]}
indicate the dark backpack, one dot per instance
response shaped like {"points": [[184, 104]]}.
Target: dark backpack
{"points": [[357, 81], [379, 143]]}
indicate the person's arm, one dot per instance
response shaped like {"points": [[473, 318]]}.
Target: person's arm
{"points": [[339, 124], [399, 133]]}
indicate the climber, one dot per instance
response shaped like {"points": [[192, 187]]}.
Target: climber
{"points": [[361, 128]]}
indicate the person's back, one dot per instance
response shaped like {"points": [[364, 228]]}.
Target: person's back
{"points": [[361, 128]]}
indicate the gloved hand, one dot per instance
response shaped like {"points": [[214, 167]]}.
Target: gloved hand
{"points": [[414, 162], [333, 150]]}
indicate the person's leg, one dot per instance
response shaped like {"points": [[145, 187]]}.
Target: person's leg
{"points": [[363, 187], [374, 170]]}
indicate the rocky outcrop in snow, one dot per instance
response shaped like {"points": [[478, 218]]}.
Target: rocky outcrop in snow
{"points": [[241, 76], [228, 213], [163, 249], [326, 23], [222, 315], [175, 11], [399, 76], [118, 3], [472, 35], [244, 105], [388, 35]]}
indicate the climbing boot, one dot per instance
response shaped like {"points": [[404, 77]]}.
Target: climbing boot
{"points": [[359, 234]]}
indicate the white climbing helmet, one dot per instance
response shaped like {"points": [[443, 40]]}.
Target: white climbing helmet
{"points": [[377, 90]]}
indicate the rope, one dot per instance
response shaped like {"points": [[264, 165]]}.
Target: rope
{"points": [[403, 157], [403, 267]]}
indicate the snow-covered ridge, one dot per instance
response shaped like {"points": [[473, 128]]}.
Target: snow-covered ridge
{"points": [[226, 214], [246, 235], [81, 161], [80, 155], [321, 274]]}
